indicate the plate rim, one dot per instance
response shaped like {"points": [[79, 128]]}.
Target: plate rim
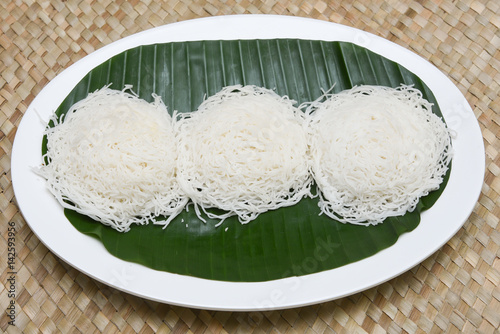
{"points": [[243, 296]]}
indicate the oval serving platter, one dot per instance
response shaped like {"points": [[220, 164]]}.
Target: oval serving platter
{"points": [[438, 224]]}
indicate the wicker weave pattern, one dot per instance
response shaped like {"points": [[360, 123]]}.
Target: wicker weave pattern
{"points": [[455, 290]]}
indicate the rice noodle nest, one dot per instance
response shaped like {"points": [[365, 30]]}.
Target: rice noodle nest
{"points": [[243, 151], [112, 157], [375, 151]]}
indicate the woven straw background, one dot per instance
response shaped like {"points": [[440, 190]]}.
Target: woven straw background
{"points": [[455, 290]]}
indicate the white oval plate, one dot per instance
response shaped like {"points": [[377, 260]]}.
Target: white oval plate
{"points": [[438, 225]]}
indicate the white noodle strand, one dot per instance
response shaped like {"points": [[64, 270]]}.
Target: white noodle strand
{"points": [[375, 152], [112, 157], [243, 151]]}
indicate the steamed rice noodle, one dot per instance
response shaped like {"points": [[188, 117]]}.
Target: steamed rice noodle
{"points": [[375, 152], [243, 151], [112, 157]]}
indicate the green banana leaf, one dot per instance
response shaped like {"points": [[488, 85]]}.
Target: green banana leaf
{"points": [[287, 242]]}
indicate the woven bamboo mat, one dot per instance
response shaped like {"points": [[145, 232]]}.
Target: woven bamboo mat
{"points": [[455, 290]]}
